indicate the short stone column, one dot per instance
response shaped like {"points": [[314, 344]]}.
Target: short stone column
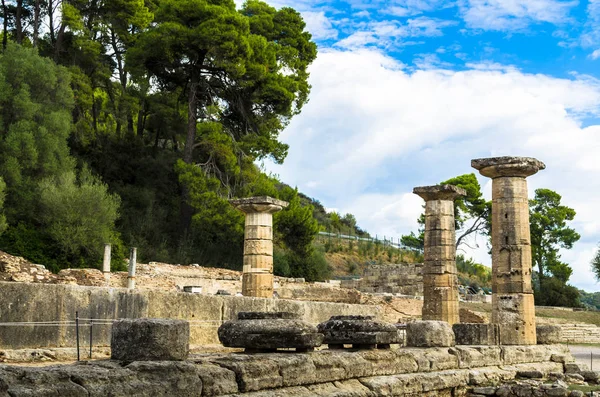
{"points": [[440, 284], [106, 264], [132, 267], [257, 277], [512, 295]]}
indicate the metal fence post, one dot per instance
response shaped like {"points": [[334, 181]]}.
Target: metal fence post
{"points": [[77, 333]]}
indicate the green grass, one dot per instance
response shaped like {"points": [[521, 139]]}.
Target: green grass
{"points": [[584, 389], [569, 316], [566, 316]]}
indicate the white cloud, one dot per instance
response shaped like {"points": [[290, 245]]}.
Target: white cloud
{"points": [[319, 25], [595, 55], [372, 131], [509, 15], [386, 34]]}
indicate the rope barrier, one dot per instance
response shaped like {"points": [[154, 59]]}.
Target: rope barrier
{"points": [[84, 322]]}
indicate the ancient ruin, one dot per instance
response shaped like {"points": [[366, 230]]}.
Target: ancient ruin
{"points": [[440, 284], [150, 339], [512, 300], [257, 279], [269, 331], [362, 332]]}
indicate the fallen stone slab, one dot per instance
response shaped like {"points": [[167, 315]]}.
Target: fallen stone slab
{"points": [[269, 331], [150, 339], [362, 332]]}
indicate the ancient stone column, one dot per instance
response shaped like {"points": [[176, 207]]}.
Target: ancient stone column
{"points": [[440, 284], [512, 295], [257, 277], [132, 266], [106, 264]]}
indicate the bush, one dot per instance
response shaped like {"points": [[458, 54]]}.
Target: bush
{"points": [[554, 292], [79, 215]]}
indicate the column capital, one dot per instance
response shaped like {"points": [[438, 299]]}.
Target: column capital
{"points": [[439, 192], [252, 205], [495, 167]]}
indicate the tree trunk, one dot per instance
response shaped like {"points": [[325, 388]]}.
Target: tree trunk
{"points": [[59, 41], [51, 21], [19, 23], [5, 28], [36, 23], [188, 150], [190, 138]]}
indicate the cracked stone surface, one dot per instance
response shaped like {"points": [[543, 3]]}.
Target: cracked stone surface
{"points": [[269, 331], [358, 331]]}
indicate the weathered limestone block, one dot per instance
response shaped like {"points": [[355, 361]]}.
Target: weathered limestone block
{"points": [[216, 380], [512, 307], [515, 314], [144, 379], [548, 334], [429, 334], [150, 339], [358, 331], [258, 331], [476, 334], [477, 356]]}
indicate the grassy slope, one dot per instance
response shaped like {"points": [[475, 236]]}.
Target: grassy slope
{"points": [[563, 316]]}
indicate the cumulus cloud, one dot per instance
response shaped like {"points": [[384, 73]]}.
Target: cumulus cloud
{"points": [[373, 130], [510, 15], [385, 34], [319, 25]]}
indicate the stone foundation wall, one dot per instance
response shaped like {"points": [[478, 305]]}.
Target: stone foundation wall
{"points": [[579, 333], [402, 372], [25, 302], [403, 278]]}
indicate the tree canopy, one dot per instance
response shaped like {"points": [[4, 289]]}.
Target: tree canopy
{"points": [[134, 121]]}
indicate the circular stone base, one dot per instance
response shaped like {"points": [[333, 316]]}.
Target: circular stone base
{"points": [[262, 331]]}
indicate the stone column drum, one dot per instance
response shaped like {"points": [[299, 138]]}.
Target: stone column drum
{"points": [[257, 277], [440, 284], [512, 295]]}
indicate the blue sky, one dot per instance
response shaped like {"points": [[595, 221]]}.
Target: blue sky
{"points": [[406, 92]]}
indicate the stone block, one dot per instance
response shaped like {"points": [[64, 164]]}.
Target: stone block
{"points": [[435, 222], [548, 334], [440, 280], [259, 219], [476, 334], [429, 334], [477, 356], [262, 262], [515, 315], [259, 285], [439, 267], [258, 247], [439, 207], [358, 331], [269, 332], [148, 339], [440, 253], [439, 237], [258, 232]]}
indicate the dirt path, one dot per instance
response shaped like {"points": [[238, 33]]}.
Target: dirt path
{"points": [[588, 355]]}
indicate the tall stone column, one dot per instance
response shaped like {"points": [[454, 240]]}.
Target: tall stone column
{"points": [[257, 278], [513, 307], [440, 284]]}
